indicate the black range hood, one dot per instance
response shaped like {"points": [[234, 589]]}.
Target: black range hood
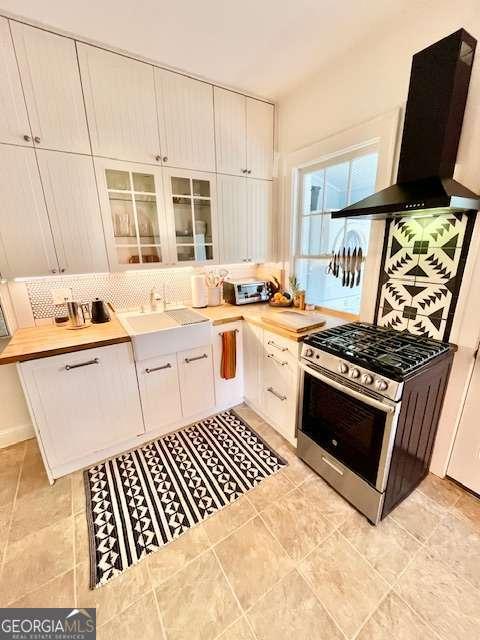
{"points": [[436, 102]]}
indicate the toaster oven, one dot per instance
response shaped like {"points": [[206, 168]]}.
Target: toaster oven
{"points": [[245, 291]]}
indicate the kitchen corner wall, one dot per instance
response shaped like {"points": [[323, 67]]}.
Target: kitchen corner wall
{"points": [[421, 273]]}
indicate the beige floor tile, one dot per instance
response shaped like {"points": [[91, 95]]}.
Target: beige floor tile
{"points": [[393, 620], [197, 603], [38, 509], [387, 546], [468, 507], [330, 503], [291, 610], [270, 435], [5, 515], [228, 519], [139, 621], [253, 561], [296, 471], [344, 582], [33, 476], [269, 490], [59, 592], [448, 604], [239, 630], [249, 415], [457, 543], [8, 482], [442, 490], [12, 455], [114, 596], [175, 555], [81, 538], [78, 492], [296, 523], [36, 559], [419, 514]]}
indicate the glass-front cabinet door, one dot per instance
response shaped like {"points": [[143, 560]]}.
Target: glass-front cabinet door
{"points": [[190, 201], [133, 213]]}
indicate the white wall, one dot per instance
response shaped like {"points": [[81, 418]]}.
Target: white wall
{"points": [[372, 79]]}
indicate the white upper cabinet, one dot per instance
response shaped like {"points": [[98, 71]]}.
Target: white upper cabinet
{"points": [[185, 113], [51, 82], [121, 105], [14, 125], [259, 139], [259, 208], [232, 207], [72, 202], [133, 212], [230, 132], [244, 135], [26, 244]]}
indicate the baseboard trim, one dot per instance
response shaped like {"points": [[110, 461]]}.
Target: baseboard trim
{"points": [[16, 434]]}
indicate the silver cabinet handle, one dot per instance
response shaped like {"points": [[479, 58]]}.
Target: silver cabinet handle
{"points": [[164, 366], [37, 140], [69, 367], [277, 346], [276, 394], [27, 138], [202, 357], [333, 466], [274, 357]]}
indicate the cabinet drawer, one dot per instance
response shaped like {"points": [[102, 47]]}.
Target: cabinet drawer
{"points": [[279, 346], [159, 392], [280, 380], [195, 369]]}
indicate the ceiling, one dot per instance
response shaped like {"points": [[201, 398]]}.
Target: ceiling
{"points": [[264, 47]]}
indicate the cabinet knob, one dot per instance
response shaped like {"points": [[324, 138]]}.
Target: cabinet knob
{"points": [[165, 159], [158, 158], [243, 170], [62, 270], [249, 171], [27, 138], [54, 270], [36, 140]]}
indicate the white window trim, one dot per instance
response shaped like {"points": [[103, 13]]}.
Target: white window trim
{"points": [[382, 132]]}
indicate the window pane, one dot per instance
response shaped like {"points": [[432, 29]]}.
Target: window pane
{"points": [[312, 235], [336, 186], [313, 191], [143, 182], [203, 219], [185, 253], [151, 254], [201, 188], [117, 179], [324, 289], [123, 219], [364, 174], [147, 219], [182, 208], [181, 186], [3, 324]]}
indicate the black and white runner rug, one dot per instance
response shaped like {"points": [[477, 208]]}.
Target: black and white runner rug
{"points": [[145, 498]]}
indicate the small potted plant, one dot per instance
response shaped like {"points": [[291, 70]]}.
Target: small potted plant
{"points": [[297, 293]]}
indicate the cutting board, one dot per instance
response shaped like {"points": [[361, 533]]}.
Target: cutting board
{"points": [[295, 321]]}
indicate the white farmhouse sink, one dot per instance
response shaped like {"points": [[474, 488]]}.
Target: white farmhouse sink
{"points": [[161, 333]]}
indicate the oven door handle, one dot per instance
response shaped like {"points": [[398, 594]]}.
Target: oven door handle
{"points": [[377, 404]]}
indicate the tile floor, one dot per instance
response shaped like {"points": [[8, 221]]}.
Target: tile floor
{"points": [[289, 560]]}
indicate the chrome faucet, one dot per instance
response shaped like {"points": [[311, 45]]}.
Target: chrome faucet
{"points": [[155, 297]]}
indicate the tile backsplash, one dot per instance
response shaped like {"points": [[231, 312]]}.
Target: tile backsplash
{"points": [[422, 267], [124, 290]]}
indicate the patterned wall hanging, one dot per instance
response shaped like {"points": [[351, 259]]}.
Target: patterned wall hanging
{"points": [[422, 266]]}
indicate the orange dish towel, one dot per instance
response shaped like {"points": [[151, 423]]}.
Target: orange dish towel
{"points": [[228, 367]]}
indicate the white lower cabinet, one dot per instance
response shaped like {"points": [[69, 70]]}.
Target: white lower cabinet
{"points": [[160, 392], [252, 362], [83, 402], [228, 393], [195, 372]]}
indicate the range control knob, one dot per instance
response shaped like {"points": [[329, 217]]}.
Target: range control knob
{"points": [[308, 352], [354, 373], [381, 385], [343, 368], [367, 378]]}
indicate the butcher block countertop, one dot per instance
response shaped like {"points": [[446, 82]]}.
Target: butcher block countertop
{"points": [[49, 340], [256, 314]]}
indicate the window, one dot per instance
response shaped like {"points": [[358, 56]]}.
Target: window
{"points": [[3, 324], [325, 188]]}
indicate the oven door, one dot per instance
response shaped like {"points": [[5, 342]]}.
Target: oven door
{"points": [[355, 428]]}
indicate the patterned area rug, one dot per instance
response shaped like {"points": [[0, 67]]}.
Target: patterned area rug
{"points": [[145, 498]]}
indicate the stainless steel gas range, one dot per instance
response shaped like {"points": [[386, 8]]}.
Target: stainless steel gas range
{"points": [[369, 411]]}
